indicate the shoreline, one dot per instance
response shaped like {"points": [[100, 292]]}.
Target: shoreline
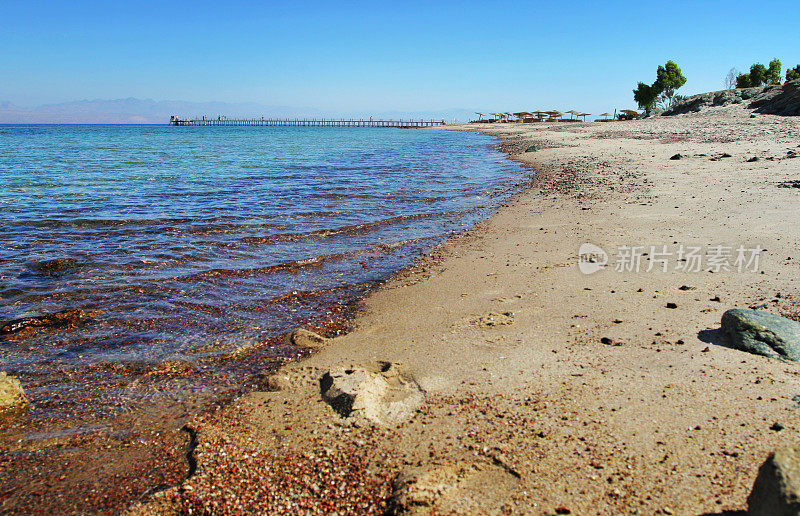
{"points": [[527, 408]]}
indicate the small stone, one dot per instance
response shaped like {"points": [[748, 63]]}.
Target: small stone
{"points": [[776, 427], [672, 305], [686, 287], [754, 159], [11, 394], [676, 156]]}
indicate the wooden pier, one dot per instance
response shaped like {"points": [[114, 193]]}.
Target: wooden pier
{"points": [[300, 122]]}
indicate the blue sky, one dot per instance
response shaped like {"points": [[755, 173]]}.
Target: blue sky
{"points": [[356, 56]]}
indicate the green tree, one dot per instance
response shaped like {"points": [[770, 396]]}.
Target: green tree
{"points": [[793, 74], [646, 96], [758, 75], [773, 75], [668, 79], [743, 80]]}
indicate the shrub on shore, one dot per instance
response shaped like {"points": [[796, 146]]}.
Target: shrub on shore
{"points": [[668, 79], [760, 75]]}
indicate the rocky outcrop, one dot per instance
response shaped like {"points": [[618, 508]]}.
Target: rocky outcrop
{"points": [[776, 491], [380, 392], [11, 394], [777, 100], [696, 103], [762, 333]]}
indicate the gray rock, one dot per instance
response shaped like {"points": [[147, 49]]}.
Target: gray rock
{"points": [[762, 333], [779, 99], [11, 394], [776, 491]]}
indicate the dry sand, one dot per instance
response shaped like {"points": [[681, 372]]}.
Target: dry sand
{"points": [[526, 409]]}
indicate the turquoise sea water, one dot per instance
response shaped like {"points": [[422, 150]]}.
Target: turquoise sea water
{"points": [[197, 243]]}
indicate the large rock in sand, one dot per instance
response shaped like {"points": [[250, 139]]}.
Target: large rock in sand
{"points": [[776, 491], [11, 394], [762, 333], [381, 392]]}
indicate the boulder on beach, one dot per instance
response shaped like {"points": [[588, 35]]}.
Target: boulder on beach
{"points": [[381, 392], [776, 491], [762, 333], [11, 394]]}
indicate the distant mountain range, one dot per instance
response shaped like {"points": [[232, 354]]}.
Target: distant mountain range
{"points": [[147, 111]]}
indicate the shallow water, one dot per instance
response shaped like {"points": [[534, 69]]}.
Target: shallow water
{"points": [[198, 243]]}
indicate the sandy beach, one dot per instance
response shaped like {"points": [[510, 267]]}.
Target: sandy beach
{"points": [[546, 390]]}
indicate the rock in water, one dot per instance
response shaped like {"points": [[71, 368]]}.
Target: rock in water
{"points": [[378, 391], [11, 394], [63, 318], [776, 491], [762, 333]]}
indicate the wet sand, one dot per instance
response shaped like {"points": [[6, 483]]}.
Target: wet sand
{"points": [[548, 390]]}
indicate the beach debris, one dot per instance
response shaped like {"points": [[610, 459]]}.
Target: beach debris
{"points": [[380, 392], [69, 318], [686, 287], [608, 341], [492, 319], [676, 156], [762, 333], [721, 156], [776, 490], [304, 339], [477, 487], [11, 394]]}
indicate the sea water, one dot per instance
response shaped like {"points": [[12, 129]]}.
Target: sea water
{"points": [[202, 244]]}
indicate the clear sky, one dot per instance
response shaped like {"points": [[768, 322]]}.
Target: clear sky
{"points": [[405, 55]]}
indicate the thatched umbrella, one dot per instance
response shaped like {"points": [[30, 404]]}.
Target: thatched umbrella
{"points": [[606, 115], [480, 115], [584, 115], [576, 113], [630, 112]]}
